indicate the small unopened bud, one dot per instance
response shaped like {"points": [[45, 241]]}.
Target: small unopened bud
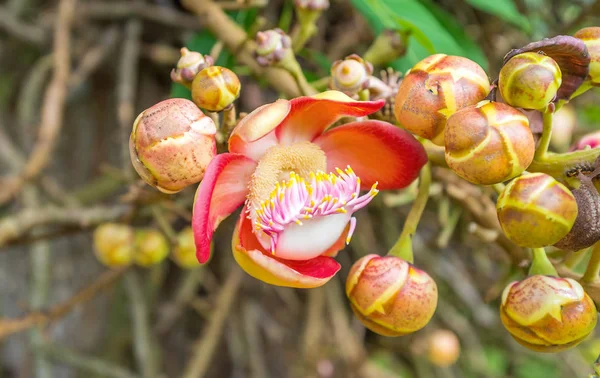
{"points": [[151, 247], [272, 46], [547, 314], [171, 144], [114, 244], [536, 211], [350, 75], [488, 143], [436, 88], [215, 88], [390, 296], [388, 46], [530, 81], [591, 37], [184, 253], [188, 66], [443, 348]]}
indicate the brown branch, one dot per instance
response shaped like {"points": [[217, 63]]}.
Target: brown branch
{"points": [[111, 10], [53, 107], [236, 40], [206, 346], [20, 224], [43, 318]]}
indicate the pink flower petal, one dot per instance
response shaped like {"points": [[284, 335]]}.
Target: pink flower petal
{"points": [[377, 152], [262, 265], [223, 189], [310, 116]]}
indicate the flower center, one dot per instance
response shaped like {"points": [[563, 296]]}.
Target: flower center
{"points": [[299, 202], [276, 165]]}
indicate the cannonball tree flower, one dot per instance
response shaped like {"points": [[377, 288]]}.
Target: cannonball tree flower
{"points": [[300, 181]]}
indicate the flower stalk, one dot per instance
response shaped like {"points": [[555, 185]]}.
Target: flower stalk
{"points": [[403, 247], [593, 268], [542, 150], [541, 264]]}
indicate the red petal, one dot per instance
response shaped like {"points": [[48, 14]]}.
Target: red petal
{"points": [[377, 152], [229, 174], [310, 116], [262, 265]]}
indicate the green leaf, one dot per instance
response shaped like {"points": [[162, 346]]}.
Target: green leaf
{"points": [[503, 9], [458, 33], [429, 33]]}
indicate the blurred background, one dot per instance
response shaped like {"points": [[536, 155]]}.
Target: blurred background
{"points": [[73, 77]]}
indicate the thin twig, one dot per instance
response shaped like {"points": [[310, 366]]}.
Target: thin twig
{"points": [[114, 10], [94, 57], [142, 333], [86, 364], [39, 286], [314, 323], [15, 226], [11, 326], [53, 108], [127, 79], [186, 290], [29, 33], [205, 347]]}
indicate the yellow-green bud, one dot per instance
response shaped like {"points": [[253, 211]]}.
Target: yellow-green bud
{"points": [[114, 244], [536, 211], [591, 37], [215, 88], [184, 253], [151, 247], [530, 81]]}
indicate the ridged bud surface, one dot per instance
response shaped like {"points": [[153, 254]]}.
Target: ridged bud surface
{"points": [[215, 88], [591, 37], [530, 81], [536, 211], [488, 143], [434, 89], [171, 144], [547, 314], [390, 296]]}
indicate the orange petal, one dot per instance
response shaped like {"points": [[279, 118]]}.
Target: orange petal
{"points": [[377, 152], [223, 190], [260, 264], [310, 116]]}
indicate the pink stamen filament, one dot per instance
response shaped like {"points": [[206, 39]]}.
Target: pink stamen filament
{"points": [[296, 200]]}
